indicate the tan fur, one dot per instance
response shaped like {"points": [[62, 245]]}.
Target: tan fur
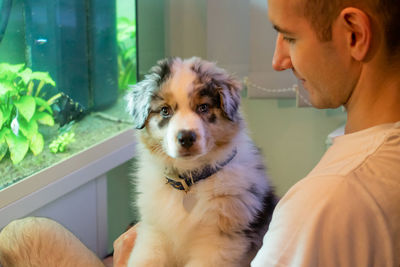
{"points": [[40, 242]]}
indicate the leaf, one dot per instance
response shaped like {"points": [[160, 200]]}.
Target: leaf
{"points": [[43, 103], [7, 111], [128, 78], [28, 128], [123, 21], [126, 34], [36, 144], [130, 53], [4, 88], [126, 29], [1, 119], [26, 105], [3, 144], [26, 75], [43, 76], [44, 118], [12, 68], [18, 146], [9, 72], [3, 133], [3, 149]]}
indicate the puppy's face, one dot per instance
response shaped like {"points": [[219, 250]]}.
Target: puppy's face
{"points": [[187, 108]]}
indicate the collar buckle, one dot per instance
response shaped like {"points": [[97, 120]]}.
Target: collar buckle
{"points": [[176, 181]]}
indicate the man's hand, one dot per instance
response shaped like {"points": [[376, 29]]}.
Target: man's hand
{"points": [[123, 247]]}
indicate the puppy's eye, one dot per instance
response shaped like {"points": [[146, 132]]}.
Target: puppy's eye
{"points": [[166, 112], [203, 108]]}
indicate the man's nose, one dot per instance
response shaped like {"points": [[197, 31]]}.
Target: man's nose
{"points": [[281, 59]]}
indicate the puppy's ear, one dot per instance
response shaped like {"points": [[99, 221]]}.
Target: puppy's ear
{"points": [[222, 83], [139, 98], [229, 92], [141, 94]]}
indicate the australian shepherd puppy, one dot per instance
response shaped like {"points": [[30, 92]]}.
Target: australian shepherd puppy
{"points": [[202, 192]]}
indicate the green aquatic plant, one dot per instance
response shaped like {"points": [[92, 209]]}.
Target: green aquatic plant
{"points": [[22, 109], [126, 40], [61, 142]]}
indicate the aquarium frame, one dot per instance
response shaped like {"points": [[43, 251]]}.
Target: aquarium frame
{"points": [[36, 191]]}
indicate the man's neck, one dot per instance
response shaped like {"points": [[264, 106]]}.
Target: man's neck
{"points": [[375, 100]]}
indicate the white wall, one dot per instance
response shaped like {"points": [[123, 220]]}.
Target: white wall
{"points": [[186, 28], [262, 43], [234, 33], [228, 34]]}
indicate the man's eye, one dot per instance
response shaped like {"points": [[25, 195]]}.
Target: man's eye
{"points": [[289, 40], [166, 112], [203, 108]]}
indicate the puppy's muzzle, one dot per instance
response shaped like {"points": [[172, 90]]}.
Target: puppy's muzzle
{"points": [[186, 138]]}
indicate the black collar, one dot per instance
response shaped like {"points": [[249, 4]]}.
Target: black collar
{"points": [[187, 179]]}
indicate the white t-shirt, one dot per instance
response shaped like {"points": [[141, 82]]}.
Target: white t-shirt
{"points": [[346, 212]]}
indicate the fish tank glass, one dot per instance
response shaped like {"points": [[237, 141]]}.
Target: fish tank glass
{"points": [[64, 68]]}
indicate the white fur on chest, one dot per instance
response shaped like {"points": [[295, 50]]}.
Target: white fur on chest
{"points": [[223, 203]]}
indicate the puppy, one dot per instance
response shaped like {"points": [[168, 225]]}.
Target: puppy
{"points": [[202, 193]]}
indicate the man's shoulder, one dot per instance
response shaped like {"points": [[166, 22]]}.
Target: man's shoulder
{"points": [[376, 148], [315, 188], [327, 195]]}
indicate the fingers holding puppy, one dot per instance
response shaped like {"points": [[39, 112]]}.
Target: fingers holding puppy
{"points": [[123, 246]]}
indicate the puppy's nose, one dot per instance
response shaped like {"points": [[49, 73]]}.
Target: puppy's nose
{"points": [[186, 138]]}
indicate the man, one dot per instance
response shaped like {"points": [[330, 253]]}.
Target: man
{"points": [[346, 212]]}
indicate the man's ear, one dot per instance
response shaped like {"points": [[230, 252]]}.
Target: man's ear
{"points": [[358, 32]]}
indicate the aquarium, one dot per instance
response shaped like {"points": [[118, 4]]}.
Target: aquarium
{"points": [[64, 68]]}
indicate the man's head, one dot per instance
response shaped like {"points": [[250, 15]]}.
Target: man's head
{"points": [[332, 46], [322, 14]]}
